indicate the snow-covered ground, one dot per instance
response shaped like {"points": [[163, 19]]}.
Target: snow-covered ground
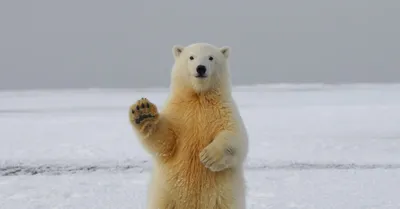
{"points": [[311, 147]]}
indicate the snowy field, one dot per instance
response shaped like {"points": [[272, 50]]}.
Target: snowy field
{"points": [[311, 147]]}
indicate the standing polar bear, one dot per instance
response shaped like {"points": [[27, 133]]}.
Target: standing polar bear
{"points": [[199, 141]]}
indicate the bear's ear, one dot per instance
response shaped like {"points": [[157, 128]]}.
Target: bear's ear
{"points": [[225, 51], [177, 50]]}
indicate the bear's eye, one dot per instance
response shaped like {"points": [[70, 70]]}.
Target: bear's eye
{"points": [[191, 57], [211, 58]]}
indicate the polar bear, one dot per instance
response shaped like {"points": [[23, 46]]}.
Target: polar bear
{"points": [[199, 141]]}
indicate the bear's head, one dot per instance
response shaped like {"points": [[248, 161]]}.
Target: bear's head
{"points": [[201, 67]]}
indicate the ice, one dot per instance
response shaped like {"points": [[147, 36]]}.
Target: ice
{"points": [[320, 189], [311, 146]]}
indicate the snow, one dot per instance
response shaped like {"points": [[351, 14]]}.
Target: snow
{"points": [[311, 146]]}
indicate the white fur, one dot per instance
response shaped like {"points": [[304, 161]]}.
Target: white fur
{"points": [[217, 70], [183, 77]]}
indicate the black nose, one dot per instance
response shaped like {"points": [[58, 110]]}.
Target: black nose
{"points": [[201, 70]]}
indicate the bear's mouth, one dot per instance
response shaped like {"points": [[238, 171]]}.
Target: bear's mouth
{"points": [[201, 76]]}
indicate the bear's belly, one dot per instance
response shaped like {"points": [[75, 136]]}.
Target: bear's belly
{"points": [[191, 184], [194, 186]]}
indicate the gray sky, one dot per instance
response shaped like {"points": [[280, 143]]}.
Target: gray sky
{"points": [[98, 43]]}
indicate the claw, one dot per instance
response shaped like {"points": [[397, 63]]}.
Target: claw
{"points": [[230, 151]]}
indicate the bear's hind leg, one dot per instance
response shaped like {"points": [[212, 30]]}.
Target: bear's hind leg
{"points": [[158, 197]]}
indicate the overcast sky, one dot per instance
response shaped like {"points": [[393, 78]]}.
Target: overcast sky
{"points": [[98, 43]]}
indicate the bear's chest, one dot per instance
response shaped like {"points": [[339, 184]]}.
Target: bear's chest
{"points": [[199, 124]]}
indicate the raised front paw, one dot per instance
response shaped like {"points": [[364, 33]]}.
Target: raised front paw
{"points": [[143, 113], [216, 157]]}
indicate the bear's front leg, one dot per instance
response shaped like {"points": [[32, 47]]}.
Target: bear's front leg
{"points": [[144, 116], [154, 130], [223, 152]]}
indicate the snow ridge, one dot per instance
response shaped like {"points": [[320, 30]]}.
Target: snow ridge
{"points": [[144, 166]]}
